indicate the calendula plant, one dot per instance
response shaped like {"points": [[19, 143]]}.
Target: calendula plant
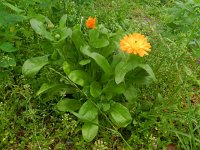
{"points": [[99, 72]]}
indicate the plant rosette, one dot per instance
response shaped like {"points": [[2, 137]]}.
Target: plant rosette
{"points": [[100, 72]]}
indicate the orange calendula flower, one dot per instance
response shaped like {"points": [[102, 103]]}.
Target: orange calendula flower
{"points": [[135, 44], [90, 23]]}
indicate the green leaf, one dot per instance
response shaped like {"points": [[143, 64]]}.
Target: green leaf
{"points": [[40, 29], [112, 87], [130, 94], [33, 65], [90, 130], [148, 69], [68, 105], [123, 68], [7, 61], [97, 42], [49, 87], [140, 77], [88, 112], [66, 32], [37, 26], [14, 8], [93, 34], [119, 115], [67, 51], [66, 67], [62, 22], [7, 47], [77, 38], [84, 62], [80, 77], [95, 89], [110, 49], [99, 59]]}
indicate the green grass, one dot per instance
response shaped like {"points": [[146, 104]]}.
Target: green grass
{"points": [[166, 112]]}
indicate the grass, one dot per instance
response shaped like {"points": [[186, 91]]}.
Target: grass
{"points": [[166, 112]]}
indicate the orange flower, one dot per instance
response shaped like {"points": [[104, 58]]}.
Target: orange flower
{"points": [[90, 23], [135, 44]]}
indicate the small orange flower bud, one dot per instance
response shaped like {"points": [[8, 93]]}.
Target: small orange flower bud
{"points": [[90, 23]]}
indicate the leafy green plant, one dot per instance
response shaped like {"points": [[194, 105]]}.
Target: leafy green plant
{"points": [[183, 18], [10, 16], [93, 72]]}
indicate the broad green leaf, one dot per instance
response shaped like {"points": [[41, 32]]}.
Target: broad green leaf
{"points": [[37, 26], [88, 111], [112, 87], [7, 61], [116, 59], [130, 94], [99, 43], [68, 52], [148, 69], [49, 87], [90, 130], [77, 38], [93, 34], [68, 105], [33, 65], [7, 47], [40, 29], [110, 49], [96, 41], [62, 22], [99, 59], [123, 68], [80, 77], [66, 67], [140, 77], [65, 50], [84, 62], [95, 89], [64, 33], [119, 115]]}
